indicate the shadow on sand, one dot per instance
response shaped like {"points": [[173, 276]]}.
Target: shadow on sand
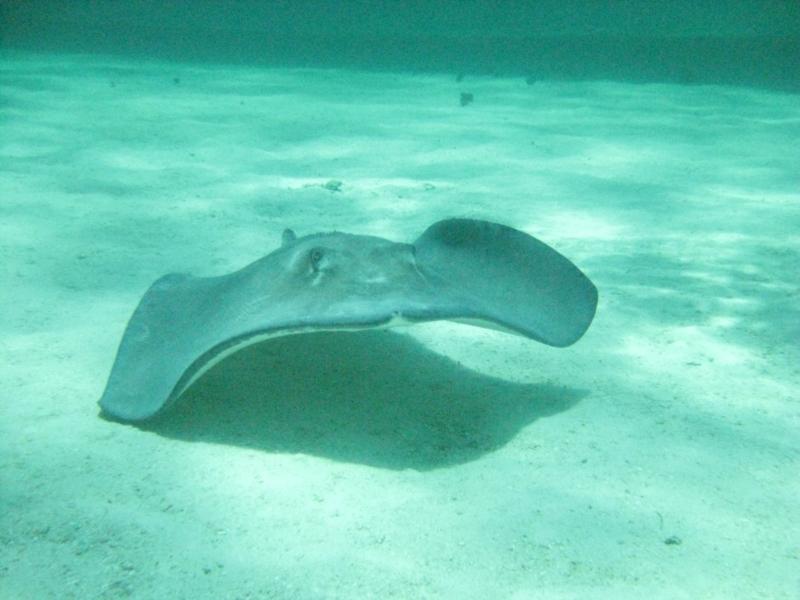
{"points": [[374, 397]]}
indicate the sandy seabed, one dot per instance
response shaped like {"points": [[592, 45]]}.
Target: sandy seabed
{"points": [[659, 457]]}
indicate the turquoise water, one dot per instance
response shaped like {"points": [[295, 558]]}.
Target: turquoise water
{"points": [[657, 456]]}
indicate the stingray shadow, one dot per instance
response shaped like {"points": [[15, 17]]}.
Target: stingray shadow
{"points": [[373, 397]]}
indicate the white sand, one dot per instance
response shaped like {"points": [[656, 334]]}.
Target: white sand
{"points": [[440, 461]]}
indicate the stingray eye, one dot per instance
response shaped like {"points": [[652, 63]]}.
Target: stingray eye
{"points": [[315, 258]]}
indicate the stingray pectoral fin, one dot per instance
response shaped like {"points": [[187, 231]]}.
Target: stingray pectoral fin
{"points": [[181, 325], [162, 339], [509, 278]]}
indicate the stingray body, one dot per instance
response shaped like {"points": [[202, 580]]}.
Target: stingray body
{"points": [[464, 270]]}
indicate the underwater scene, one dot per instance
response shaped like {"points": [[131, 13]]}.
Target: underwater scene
{"points": [[470, 300]]}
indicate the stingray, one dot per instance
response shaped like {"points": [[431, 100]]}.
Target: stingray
{"points": [[462, 270]]}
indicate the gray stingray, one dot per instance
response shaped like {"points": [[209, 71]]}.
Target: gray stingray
{"points": [[462, 270]]}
